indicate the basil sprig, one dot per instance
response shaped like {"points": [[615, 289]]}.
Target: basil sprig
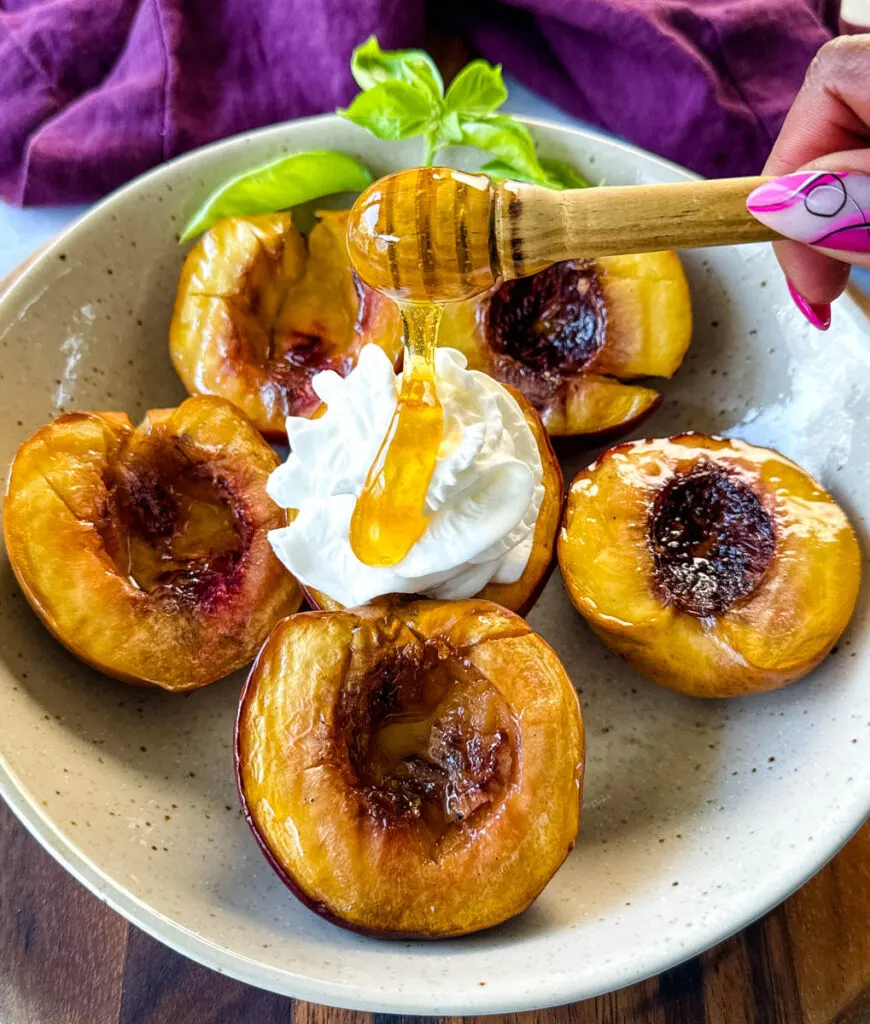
{"points": [[403, 96]]}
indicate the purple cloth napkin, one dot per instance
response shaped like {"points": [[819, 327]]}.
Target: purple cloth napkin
{"points": [[92, 92]]}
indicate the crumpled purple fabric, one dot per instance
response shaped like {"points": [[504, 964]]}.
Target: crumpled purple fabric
{"points": [[93, 92]]}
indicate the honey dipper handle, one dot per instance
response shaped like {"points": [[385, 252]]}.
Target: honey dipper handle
{"points": [[535, 227]]}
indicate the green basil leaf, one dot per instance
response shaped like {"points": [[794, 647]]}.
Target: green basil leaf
{"points": [[450, 130], [563, 175], [477, 90], [285, 182], [557, 175], [370, 65], [391, 110], [507, 140], [498, 170]]}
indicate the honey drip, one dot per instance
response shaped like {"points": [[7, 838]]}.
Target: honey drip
{"points": [[388, 518]]}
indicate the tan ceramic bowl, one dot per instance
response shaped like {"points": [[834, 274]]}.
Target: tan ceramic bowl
{"points": [[698, 816]]}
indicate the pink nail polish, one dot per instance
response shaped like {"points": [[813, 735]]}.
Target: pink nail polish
{"points": [[817, 207], [818, 314]]}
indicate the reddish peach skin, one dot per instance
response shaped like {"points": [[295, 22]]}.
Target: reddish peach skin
{"points": [[571, 336], [145, 551], [519, 597], [436, 742], [714, 567], [258, 313]]}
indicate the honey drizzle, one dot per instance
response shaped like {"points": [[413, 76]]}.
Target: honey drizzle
{"points": [[389, 515]]}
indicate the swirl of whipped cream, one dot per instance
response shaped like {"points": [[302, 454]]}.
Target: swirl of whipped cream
{"points": [[483, 500]]}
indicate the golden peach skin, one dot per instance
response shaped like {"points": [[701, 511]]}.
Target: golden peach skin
{"points": [[521, 596], [145, 551], [411, 767], [714, 567], [570, 336], [259, 312]]}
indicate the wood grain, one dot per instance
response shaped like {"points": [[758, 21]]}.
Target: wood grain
{"points": [[42, 922], [536, 226], [66, 958], [829, 922]]}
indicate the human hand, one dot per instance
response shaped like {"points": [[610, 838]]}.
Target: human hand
{"points": [[824, 206]]}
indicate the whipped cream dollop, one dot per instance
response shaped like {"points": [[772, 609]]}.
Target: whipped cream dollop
{"points": [[482, 504]]}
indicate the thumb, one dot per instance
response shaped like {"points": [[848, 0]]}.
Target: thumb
{"points": [[825, 205]]}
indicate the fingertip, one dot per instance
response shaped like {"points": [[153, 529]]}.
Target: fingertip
{"points": [[818, 278], [818, 315]]}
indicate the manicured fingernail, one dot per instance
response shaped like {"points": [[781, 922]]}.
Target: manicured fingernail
{"points": [[818, 313], [817, 207]]}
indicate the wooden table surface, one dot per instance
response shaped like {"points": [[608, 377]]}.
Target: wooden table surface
{"points": [[66, 958]]}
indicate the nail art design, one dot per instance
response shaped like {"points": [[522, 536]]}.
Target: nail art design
{"points": [[817, 207], [818, 314]]}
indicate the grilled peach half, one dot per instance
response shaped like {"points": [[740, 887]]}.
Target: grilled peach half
{"points": [[714, 567], [259, 312], [520, 596], [572, 336], [411, 767], [144, 551]]}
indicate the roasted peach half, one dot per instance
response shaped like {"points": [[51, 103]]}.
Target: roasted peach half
{"points": [[520, 596], [411, 768], [570, 336], [144, 550], [259, 312], [714, 567]]}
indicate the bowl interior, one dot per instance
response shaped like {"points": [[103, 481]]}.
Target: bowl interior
{"points": [[698, 815]]}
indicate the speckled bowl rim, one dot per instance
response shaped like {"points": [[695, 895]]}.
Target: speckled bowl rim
{"points": [[826, 842]]}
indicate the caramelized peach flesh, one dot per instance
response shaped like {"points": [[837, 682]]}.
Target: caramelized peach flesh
{"points": [[259, 312], [411, 768], [570, 336], [145, 551], [520, 596], [714, 567]]}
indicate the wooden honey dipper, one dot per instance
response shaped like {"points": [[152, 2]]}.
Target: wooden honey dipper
{"points": [[431, 234]]}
